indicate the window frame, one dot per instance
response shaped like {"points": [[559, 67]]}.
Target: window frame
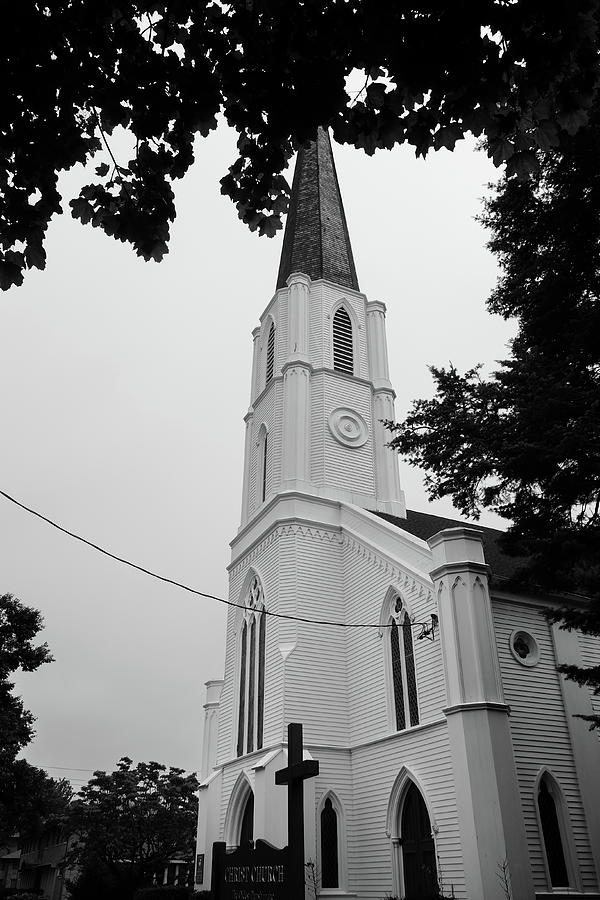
{"points": [[270, 351], [262, 465], [249, 685], [355, 326], [392, 615], [341, 845], [565, 830]]}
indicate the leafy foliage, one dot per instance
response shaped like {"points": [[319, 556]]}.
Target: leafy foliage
{"points": [[129, 823], [522, 74], [526, 442], [27, 795]]}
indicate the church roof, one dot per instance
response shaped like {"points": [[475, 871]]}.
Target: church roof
{"points": [[425, 525], [316, 240]]}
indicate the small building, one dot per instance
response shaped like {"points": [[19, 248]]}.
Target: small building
{"points": [[9, 863], [42, 864]]}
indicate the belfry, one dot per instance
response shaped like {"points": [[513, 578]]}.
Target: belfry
{"points": [[425, 680]]}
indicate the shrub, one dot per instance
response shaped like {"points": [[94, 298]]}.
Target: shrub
{"points": [[166, 892]]}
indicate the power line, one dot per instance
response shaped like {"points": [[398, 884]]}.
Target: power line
{"points": [[427, 628]]}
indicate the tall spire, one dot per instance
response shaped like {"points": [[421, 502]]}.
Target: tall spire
{"points": [[316, 240]]}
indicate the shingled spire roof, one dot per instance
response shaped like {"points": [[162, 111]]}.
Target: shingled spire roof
{"points": [[316, 240]]}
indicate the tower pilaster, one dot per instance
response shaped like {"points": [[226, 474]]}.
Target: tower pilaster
{"points": [[390, 496], [255, 363], [488, 800], [249, 420], [298, 316], [295, 465]]}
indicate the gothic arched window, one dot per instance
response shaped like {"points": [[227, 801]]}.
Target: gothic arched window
{"points": [[343, 342], [549, 806], [270, 353], [401, 663], [330, 877], [247, 826], [262, 463], [251, 706], [418, 849]]}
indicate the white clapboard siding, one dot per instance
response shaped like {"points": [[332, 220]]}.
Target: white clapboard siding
{"points": [[317, 429], [268, 411], [426, 753], [540, 732], [590, 656], [366, 584], [316, 677], [281, 320], [318, 327], [348, 468]]}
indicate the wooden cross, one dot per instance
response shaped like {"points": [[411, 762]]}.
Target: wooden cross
{"points": [[293, 775]]}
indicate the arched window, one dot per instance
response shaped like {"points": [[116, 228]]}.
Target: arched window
{"points": [[401, 663], [252, 672], [242, 709], [270, 353], [553, 832], [247, 826], [330, 877], [262, 463], [419, 869], [343, 343]]}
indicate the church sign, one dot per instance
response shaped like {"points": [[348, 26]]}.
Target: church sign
{"points": [[266, 872], [261, 873]]}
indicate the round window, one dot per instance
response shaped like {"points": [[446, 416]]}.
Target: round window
{"points": [[524, 648]]}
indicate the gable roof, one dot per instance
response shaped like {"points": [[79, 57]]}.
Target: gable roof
{"points": [[425, 525], [316, 240]]}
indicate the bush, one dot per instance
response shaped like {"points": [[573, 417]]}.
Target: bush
{"points": [[164, 892]]}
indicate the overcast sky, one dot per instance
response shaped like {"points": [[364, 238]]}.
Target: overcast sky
{"points": [[123, 392]]}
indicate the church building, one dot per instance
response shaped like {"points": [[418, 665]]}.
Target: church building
{"points": [[451, 761]]}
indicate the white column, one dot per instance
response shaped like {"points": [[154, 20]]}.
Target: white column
{"points": [[377, 344], [390, 497], [298, 308], [296, 425], [248, 419], [295, 464], [489, 805], [255, 385], [211, 726]]}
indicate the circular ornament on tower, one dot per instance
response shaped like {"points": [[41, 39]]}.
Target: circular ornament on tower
{"points": [[348, 427], [524, 647]]}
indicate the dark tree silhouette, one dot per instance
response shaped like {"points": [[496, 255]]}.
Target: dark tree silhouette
{"points": [[526, 441], [521, 74]]}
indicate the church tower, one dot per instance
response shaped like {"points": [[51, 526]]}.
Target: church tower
{"points": [[377, 629], [320, 380]]}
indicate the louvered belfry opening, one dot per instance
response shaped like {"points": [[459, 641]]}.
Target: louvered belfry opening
{"points": [[343, 345], [270, 353]]}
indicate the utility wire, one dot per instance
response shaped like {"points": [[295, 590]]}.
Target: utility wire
{"points": [[427, 628]]}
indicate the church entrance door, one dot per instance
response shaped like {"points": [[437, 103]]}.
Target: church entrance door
{"points": [[418, 849]]}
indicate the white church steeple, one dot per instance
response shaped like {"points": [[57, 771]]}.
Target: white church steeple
{"points": [[320, 379]]}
